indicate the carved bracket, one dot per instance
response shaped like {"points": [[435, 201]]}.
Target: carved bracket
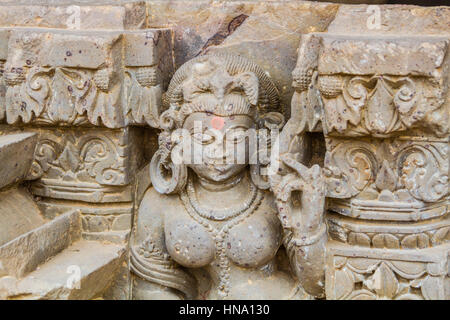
{"points": [[111, 79]]}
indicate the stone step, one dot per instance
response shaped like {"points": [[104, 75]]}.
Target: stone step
{"points": [[18, 214], [82, 271], [16, 156], [27, 251]]}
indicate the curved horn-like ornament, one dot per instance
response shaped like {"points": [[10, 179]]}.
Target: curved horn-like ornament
{"points": [[248, 81]]}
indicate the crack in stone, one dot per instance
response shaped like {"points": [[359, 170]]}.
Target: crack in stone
{"points": [[223, 33]]}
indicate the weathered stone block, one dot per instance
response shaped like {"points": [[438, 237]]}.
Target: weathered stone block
{"points": [[16, 156], [23, 254]]}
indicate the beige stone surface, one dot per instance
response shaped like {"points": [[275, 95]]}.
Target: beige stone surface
{"points": [[19, 214], [84, 78], [94, 98], [97, 263], [16, 156], [266, 32], [24, 253]]}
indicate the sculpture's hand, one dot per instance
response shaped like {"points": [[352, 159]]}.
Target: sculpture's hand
{"points": [[303, 218], [304, 213]]}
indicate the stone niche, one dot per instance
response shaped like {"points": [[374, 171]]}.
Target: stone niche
{"points": [[86, 87]]}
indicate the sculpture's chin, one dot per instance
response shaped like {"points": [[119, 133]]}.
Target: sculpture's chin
{"points": [[218, 173]]}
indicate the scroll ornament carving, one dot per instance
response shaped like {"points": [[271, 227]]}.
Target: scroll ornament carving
{"points": [[89, 158], [380, 105], [26, 94], [361, 278], [62, 96], [349, 167], [76, 96], [419, 168], [424, 171]]}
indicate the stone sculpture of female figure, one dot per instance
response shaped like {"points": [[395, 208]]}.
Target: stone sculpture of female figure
{"points": [[212, 229]]}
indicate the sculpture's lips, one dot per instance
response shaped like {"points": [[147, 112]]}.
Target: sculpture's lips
{"points": [[223, 168]]}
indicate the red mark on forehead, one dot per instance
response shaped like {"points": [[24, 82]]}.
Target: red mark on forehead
{"points": [[217, 123]]}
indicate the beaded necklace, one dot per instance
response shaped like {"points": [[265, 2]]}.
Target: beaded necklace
{"points": [[219, 215], [219, 235]]}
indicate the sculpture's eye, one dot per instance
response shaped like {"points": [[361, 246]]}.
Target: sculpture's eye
{"points": [[203, 138], [236, 135]]}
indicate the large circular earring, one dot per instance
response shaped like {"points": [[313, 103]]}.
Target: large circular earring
{"points": [[166, 176]]}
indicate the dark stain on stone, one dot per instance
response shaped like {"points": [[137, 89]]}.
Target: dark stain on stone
{"points": [[224, 32]]}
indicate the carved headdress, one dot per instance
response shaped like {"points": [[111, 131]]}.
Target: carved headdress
{"points": [[218, 84]]}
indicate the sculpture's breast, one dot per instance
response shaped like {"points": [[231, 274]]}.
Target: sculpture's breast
{"points": [[249, 244], [188, 243], [255, 241]]}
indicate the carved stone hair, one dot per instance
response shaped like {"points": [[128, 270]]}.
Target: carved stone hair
{"points": [[210, 75], [219, 84]]}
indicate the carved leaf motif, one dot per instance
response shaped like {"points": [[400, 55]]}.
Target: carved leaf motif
{"points": [[349, 169], [380, 115], [19, 103], [38, 88], [385, 241], [441, 235], [386, 178], [416, 241], [424, 172], [69, 86], [408, 269], [359, 239], [143, 103], [431, 288], [107, 107], [362, 265], [45, 154], [69, 158], [343, 283], [342, 109], [356, 93], [383, 282], [383, 104]]}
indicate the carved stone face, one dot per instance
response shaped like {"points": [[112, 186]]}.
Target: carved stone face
{"points": [[219, 143]]}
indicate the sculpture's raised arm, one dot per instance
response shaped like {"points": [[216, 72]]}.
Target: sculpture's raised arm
{"points": [[300, 191], [300, 200]]}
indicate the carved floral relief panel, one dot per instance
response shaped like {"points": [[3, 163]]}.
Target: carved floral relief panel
{"points": [[404, 170], [373, 85], [92, 165], [372, 222], [358, 275], [382, 104], [111, 79]]}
